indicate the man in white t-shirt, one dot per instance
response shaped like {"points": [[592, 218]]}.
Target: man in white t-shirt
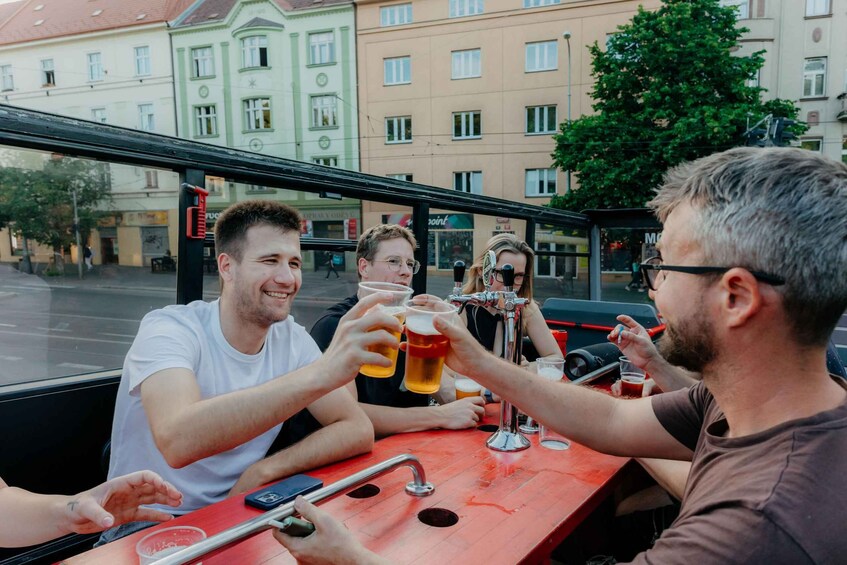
{"points": [[206, 386]]}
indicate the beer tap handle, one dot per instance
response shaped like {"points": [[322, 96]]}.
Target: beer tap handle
{"points": [[508, 273], [458, 273]]}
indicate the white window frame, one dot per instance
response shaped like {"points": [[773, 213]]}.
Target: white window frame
{"points": [[95, 67], [466, 63], [205, 120], [818, 8], [142, 61], [810, 78], [464, 8], [98, 115], [395, 15], [397, 70], [7, 78], [539, 3], [252, 48], [398, 129], [322, 48], [743, 12], [540, 182], [254, 114], [468, 181], [328, 161], [463, 124], [542, 56], [202, 62], [541, 116], [814, 144], [146, 117], [324, 111], [48, 72], [407, 177]]}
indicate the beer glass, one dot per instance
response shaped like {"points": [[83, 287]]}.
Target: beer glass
{"points": [[632, 379], [166, 541], [466, 388], [399, 295], [425, 347], [551, 369]]}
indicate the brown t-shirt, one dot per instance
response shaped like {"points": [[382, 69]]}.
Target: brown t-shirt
{"points": [[778, 496]]}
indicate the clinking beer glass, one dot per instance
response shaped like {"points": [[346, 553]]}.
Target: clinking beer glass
{"points": [[400, 294], [426, 348]]}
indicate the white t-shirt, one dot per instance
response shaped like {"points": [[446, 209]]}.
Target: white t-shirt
{"points": [[190, 337]]}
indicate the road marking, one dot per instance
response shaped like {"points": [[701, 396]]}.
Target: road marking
{"points": [[841, 329], [8, 325], [118, 335], [66, 337], [80, 366], [10, 358], [53, 329]]}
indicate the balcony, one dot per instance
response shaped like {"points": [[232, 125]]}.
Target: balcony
{"points": [[842, 114]]}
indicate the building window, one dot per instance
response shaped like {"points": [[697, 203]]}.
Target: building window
{"points": [[542, 56], [541, 119], [254, 51], [398, 70], [325, 161], [537, 3], [468, 181], [812, 144], [814, 77], [95, 67], [142, 61], [742, 7], [540, 182], [151, 178], [461, 8], [398, 129], [146, 118], [408, 177], [466, 64], [817, 7], [202, 62], [98, 115], [396, 15], [7, 81], [257, 113], [324, 112], [206, 120], [844, 150], [467, 125], [48, 73], [322, 48]]}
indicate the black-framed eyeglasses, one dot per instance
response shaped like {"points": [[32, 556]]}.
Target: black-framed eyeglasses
{"points": [[651, 267], [498, 276], [394, 263]]}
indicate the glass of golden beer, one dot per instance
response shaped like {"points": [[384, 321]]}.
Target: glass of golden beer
{"points": [[399, 294], [465, 387], [425, 347]]}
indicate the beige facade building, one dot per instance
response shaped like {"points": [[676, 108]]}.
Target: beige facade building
{"points": [[466, 94], [805, 61]]}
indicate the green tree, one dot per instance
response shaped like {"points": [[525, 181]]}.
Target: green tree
{"points": [[39, 202], [667, 89]]}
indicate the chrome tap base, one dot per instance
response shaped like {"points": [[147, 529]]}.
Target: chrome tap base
{"points": [[504, 440]]}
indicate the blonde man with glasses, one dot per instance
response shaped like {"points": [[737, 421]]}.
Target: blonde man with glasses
{"points": [[386, 253]]}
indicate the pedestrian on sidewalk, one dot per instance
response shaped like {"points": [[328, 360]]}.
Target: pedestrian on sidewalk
{"points": [[88, 255], [331, 258]]}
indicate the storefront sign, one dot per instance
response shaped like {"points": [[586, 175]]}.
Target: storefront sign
{"points": [[436, 221], [350, 228], [146, 218]]}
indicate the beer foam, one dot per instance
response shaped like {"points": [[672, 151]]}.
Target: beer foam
{"points": [[468, 385], [421, 325], [550, 373]]}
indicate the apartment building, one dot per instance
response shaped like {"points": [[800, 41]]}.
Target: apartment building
{"points": [[466, 95], [805, 61]]}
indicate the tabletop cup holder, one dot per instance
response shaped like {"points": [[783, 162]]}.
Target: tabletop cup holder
{"points": [[438, 517], [490, 428], [364, 491]]}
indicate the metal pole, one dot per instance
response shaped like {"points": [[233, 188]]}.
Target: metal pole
{"points": [[568, 38], [79, 250]]}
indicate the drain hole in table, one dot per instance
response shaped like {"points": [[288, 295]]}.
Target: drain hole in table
{"points": [[490, 428], [364, 491], [438, 517]]}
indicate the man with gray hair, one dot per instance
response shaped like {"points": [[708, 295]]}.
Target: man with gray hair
{"points": [[751, 281]]}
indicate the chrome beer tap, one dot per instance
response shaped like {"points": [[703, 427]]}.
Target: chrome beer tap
{"points": [[509, 305]]}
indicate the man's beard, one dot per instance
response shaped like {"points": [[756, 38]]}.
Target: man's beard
{"points": [[689, 344]]}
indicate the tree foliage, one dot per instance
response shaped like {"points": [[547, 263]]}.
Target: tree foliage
{"points": [[667, 89], [39, 202]]}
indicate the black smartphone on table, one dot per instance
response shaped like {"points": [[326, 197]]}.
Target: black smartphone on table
{"points": [[284, 491]]}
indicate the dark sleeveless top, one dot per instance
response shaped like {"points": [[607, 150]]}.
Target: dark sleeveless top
{"points": [[483, 326]]}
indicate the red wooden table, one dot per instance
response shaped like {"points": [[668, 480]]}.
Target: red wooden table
{"points": [[512, 507]]}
